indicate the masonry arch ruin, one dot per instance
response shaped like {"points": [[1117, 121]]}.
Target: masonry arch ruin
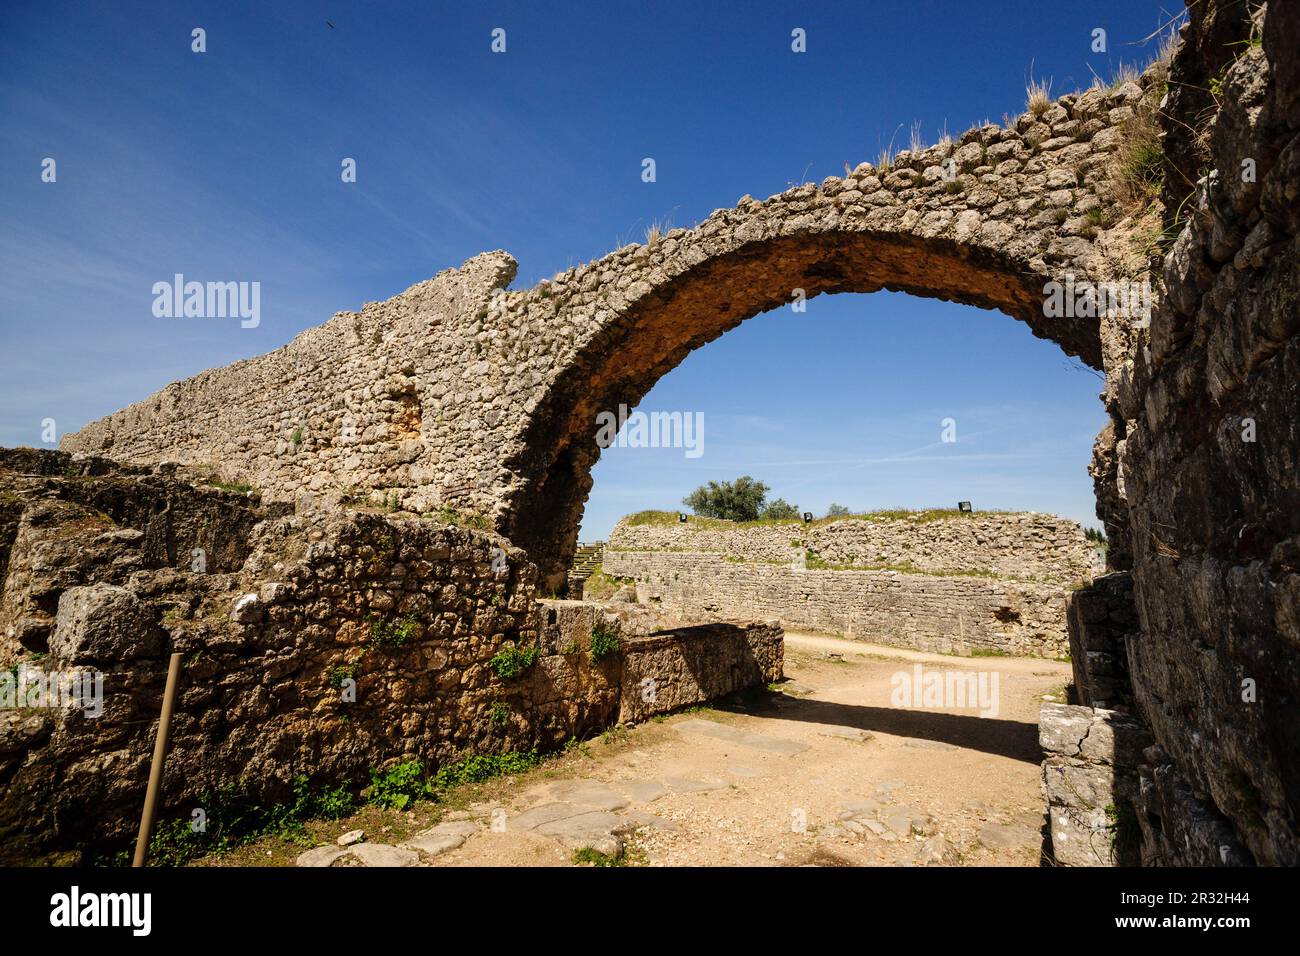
{"points": [[463, 397], [643, 342], [991, 221], [1202, 522]]}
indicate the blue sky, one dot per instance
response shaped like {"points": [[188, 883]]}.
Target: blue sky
{"points": [[225, 165]]}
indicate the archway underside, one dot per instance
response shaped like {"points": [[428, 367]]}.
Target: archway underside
{"points": [[621, 363]]}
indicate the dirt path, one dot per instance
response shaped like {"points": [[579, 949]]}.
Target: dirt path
{"points": [[824, 771]]}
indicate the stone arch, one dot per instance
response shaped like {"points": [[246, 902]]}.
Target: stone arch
{"points": [[470, 402], [989, 221]]}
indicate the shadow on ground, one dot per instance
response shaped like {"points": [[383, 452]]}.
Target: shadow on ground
{"points": [[1006, 738]]}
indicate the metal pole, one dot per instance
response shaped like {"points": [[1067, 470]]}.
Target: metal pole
{"points": [[156, 768]]}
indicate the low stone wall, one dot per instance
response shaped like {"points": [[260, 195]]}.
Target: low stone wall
{"points": [[1019, 544], [669, 670], [344, 641], [950, 614]]}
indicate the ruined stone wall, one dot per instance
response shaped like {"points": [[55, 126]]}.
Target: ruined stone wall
{"points": [[375, 403], [1208, 408], [955, 614], [1032, 546], [507, 386], [457, 395], [344, 641]]}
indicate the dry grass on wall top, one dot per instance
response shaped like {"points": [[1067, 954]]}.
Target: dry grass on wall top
{"points": [[917, 516]]}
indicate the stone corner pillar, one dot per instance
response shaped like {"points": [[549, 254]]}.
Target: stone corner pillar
{"points": [[1101, 619], [1089, 780]]}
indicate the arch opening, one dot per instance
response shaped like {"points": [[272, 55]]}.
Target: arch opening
{"points": [[632, 350]]}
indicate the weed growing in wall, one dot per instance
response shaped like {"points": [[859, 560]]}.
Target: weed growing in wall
{"points": [[339, 674], [511, 661], [393, 632], [604, 641]]}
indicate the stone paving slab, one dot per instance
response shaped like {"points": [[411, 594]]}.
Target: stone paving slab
{"points": [[598, 829], [776, 745], [641, 818], [321, 856], [588, 793], [441, 838], [538, 816], [847, 733], [922, 744], [381, 854], [359, 854], [641, 791], [857, 808], [996, 836]]}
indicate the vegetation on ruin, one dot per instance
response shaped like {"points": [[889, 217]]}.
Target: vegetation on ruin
{"points": [[600, 586], [394, 631], [399, 786], [231, 820], [604, 641], [480, 768], [615, 735], [340, 673], [1139, 160], [512, 661], [1137, 167], [459, 519], [1038, 97], [1125, 833], [916, 516], [587, 856]]}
